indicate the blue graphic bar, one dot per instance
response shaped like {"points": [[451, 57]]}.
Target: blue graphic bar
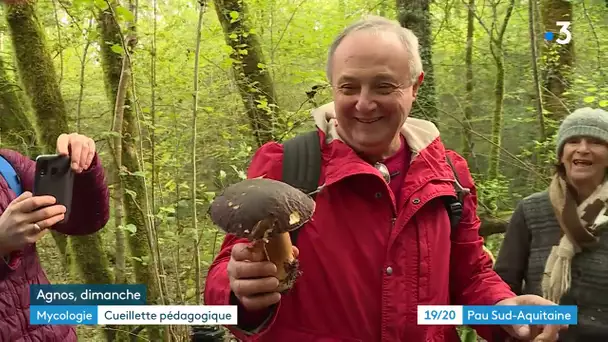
{"points": [[508, 315], [63, 315], [83, 294], [134, 315]]}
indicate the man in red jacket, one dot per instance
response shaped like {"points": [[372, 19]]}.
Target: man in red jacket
{"points": [[377, 246], [26, 218]]}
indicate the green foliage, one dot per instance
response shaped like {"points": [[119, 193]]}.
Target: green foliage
{"points": [[467, 334]]}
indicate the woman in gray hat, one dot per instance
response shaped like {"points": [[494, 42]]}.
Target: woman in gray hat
{"points": [[556, 244]]}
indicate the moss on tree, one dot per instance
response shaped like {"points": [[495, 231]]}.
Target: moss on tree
{"points": [[134, 197], [37, 72], [38, 75], [416, 16], [16, 130], [558, 62], [253, 79]]}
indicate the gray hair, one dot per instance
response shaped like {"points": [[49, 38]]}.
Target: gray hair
{"points": [[382, 25]]}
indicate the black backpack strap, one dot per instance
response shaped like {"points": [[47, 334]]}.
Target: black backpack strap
{"points": [[454, 206], [302, 165], [302, 170]]}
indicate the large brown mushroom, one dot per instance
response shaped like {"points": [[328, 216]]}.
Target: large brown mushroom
{"points": [[265, 211]]}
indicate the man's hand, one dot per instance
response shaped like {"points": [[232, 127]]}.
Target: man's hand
{"points": [[80, 148], [536, 333], [253, 279]]}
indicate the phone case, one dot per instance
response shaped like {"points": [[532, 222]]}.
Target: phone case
{"points": [[55, 177]]}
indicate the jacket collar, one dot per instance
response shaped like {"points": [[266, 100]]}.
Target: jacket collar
{"points": [[418, 133], [427, 158]]}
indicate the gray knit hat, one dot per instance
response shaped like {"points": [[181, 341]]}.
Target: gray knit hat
{"points": [[586, 122]]}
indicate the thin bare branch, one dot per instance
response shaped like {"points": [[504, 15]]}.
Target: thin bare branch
{"points": [[597, 40], [274, 48]]}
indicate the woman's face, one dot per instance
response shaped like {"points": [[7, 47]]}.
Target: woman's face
{"points": [[585, 161]]}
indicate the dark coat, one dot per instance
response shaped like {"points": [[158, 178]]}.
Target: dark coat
{"points": [[89, 213]]}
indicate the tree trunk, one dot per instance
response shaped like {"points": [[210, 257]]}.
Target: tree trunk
{"points": [[496, 35], [134, 193], [540, 152], [416, 16], [117, 148], [37, 72], [559, 60], [112, 66], [467, 137], [534, 57], [491, 225], [16, 130], [136, 210], [252, 78], [497, 119], [197, 235]]}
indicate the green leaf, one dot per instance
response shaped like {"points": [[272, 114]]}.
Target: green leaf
{"points": [[190, 292], [234, 15], [78, 3], [589, 99], [101, 4], [125, 13], [168, 209], [131, 228], [603, 103], [92, 35], [145, 259], [117, 49], [209, 195]]}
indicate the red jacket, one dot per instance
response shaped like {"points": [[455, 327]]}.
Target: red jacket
{"points": [[367, 263], [90, 212]]}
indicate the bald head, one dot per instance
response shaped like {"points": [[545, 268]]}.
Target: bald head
{"points": [[387, 30]]}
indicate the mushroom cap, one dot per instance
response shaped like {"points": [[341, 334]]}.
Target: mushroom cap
{"points": [[244, 207]]}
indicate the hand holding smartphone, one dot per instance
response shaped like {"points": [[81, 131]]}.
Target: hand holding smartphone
{"points": [[55, 177]]}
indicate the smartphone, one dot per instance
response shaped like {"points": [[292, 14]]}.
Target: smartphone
{"points": [[55, 177]]}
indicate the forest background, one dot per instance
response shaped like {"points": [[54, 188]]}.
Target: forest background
{"points": [[179, 94]]}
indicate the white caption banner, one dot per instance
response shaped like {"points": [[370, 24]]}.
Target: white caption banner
{"points": [[167, 314], [440, 315]]}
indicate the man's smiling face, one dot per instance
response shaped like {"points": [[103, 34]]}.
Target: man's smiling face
{"points": [[372, 88]]}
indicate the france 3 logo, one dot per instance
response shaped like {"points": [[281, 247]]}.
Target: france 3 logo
{"points": [[564, 35]]}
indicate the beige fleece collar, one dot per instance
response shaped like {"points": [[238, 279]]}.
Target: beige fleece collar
{"points": [[418, 133]]}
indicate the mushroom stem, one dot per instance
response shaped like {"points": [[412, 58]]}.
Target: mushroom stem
{"points": [[279, 251]]}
